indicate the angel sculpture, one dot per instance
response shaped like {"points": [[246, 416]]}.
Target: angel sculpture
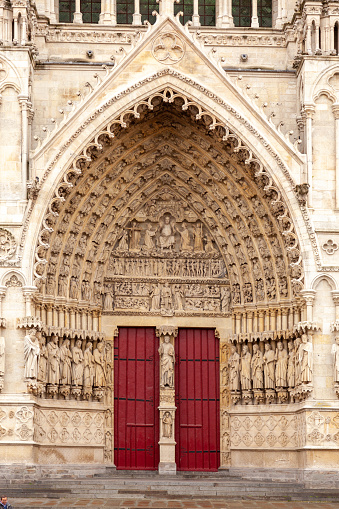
{"points": [[167, 231]]}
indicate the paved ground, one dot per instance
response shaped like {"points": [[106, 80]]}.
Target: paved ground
{"points": [[124, 503]]}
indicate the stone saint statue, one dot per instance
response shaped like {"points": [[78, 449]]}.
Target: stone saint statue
{"points": [[99, 366], [65, 363], [77, 364], [291, 365], [257, 368], [2, 356], [245, 369], [281, 358], [31, 354], [53, 361], [167, 230], [167, 359], [42, 368], [167, 424], [297, 363], [269, 371], [155, 297], [305, 354], [88, 366], [335, 353], [234, 366], [166, 297]]}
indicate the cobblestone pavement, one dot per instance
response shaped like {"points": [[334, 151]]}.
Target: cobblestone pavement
{"points": [[125, 503]]}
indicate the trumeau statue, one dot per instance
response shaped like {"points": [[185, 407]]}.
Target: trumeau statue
{"points": [[167, 359], [31, 354], [234, 366]]}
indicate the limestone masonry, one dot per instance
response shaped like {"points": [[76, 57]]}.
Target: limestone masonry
{"points": [[169, 177]]}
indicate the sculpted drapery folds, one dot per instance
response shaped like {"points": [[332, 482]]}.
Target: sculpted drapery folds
{"points": [[245, 373], [31, 354], [281, 359], [77, 364], [53, 361], [305, 353], [234, 367], [167, 359], [88, 366], [65, 363], [291, 365], [269, 367], [257, 364], [335, 353], [99, 366]]}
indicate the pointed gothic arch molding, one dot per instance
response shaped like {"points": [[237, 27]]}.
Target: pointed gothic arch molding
{"points": [[189, 183]]}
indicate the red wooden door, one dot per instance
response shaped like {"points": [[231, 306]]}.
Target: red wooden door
{"points": [[136, 399], [197, 400]]}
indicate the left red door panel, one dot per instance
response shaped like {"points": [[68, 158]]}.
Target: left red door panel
{"points": [[136, 399]]}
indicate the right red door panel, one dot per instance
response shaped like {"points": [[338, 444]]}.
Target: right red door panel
{"points": [[197, 400]]}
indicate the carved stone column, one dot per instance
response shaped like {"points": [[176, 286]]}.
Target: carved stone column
{"points": [[309, 296], [167, 408], [225, 398]]}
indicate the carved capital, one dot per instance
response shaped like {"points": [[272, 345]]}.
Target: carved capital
{"points": [[3, 290], [309, 110], [308, 296], [163, 330], [335, 109], [335, 297]]}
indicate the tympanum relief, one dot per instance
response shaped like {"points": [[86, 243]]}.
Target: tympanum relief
{"points": [[166, 263]]}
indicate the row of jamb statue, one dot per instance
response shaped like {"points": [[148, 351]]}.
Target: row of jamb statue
{"points": [[272, 369], [64, 367]]}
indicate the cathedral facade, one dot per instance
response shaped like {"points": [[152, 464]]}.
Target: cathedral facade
{"points": [[169, 235]]}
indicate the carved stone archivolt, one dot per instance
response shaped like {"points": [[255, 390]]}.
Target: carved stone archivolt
{"points": [[168, 219]]}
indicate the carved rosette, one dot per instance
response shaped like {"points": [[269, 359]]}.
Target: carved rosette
{"points": [[225, 400], [7, 245]]}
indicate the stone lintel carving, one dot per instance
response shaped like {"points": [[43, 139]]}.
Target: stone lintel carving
{"points": [[169, 330]]}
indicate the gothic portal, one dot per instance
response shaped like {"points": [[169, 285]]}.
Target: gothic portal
{"points": [[168, 256]]}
